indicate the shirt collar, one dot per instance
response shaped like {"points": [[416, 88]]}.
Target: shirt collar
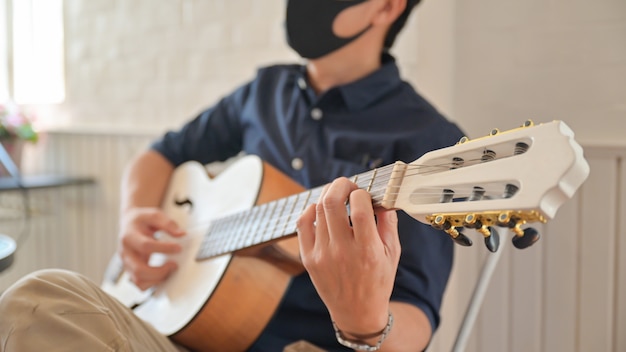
{"points": [[369, 89]]}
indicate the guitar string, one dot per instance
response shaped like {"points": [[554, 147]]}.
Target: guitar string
{"points": [[490, 193], [281, 221], [238, 235], [385, 181]]}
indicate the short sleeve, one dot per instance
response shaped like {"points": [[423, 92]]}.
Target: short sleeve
{"points": [[214, 135], [425, 265]]}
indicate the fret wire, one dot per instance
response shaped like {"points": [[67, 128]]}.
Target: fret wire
{"points": [[213, 234], [369, 185], [214, 238], [305, 204], [241, 231], [249, 230], [246, 228], [295, 199], [227, 238], [239, 235], [262, 218], [276, 233], [274, 230], [259, 223], [262, 221], [362, 178], [269, 227], [230, 230]]}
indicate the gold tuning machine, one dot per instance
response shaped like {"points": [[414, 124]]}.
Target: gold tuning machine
{"points": [[485, 223]]}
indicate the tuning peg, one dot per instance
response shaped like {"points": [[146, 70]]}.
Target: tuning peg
{"points": [[523, 238], [506, 220], [441, 223], [492, 242], [527, 239], [461, 239], [492, 238]]}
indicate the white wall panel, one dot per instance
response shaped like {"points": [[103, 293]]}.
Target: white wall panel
{"points": [[597, 257], [620, 274], [561, 240]]}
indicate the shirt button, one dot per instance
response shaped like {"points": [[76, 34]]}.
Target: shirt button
{"points": [[301, 83], [317, 114], [297, 163]]}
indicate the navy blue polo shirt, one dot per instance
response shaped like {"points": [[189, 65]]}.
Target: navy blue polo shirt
{"points": [[314, 139]]}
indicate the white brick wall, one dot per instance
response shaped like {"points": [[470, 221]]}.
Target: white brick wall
{"points": [[153, 64]]}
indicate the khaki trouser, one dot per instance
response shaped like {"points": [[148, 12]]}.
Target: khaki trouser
{"points": [[57, 310]]}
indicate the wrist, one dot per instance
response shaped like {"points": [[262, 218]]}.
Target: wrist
{"points": [[361, 321], [364, 341]]}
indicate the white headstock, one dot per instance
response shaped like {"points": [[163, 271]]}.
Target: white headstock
{"points": [[505, 179]]}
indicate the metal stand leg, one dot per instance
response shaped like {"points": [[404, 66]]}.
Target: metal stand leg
{"points": [[477, 298]]}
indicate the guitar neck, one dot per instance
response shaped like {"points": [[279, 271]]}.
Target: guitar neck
{"points": [[277, 219]]}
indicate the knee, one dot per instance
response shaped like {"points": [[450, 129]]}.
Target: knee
{"points": [[38, 285]]}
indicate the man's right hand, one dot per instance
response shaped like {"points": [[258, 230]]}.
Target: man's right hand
{"points": [[138, 243]]}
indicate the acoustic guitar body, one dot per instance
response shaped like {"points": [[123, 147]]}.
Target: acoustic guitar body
{"points": [[222, 303]]}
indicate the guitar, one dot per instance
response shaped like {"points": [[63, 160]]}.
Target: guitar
{"points": [[241, 242]]}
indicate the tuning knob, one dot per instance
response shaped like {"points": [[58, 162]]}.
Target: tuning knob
{"points": [[492, 238], [441, 223], [461, 239], [492, 242], [527, 239]]}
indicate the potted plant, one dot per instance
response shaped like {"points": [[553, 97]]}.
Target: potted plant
{"points": [[16, 128]]}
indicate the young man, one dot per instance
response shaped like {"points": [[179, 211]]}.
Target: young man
{"points": [[376, 282]]}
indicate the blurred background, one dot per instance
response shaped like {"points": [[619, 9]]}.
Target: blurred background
{"points": [[99, 79]]}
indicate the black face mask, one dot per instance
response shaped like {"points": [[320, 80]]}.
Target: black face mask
{"points": [[309, 26]]}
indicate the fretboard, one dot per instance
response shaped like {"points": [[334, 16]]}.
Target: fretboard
{"points": [[277, 219]]}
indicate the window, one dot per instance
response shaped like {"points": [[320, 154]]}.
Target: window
{"points": [[4, 53], [31, 42]]}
